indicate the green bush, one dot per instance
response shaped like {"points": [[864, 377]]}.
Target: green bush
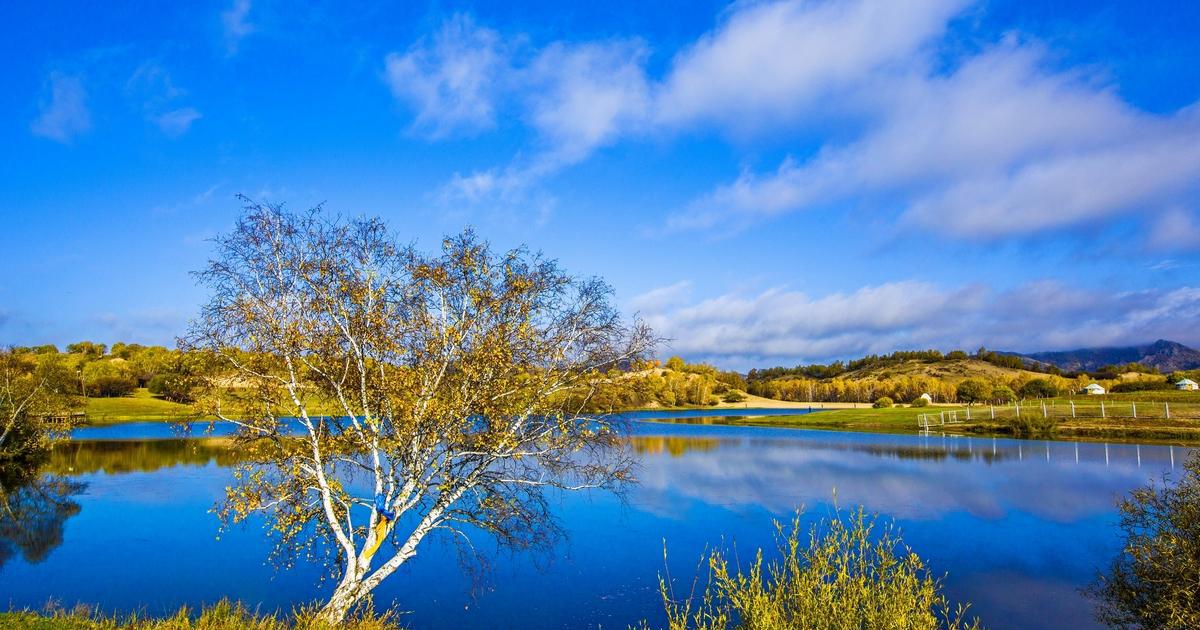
{"points": [[920, 402], [173, 387], [1142, 385], [1003, 394], [1039, 388], [847, 576], [106, 379], [973, 390], [1033, 426], [884, 403], [734, 396], [1152, 583]]}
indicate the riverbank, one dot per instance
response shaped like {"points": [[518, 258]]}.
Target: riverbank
{"points": [[142, 407], [1183, 432]]}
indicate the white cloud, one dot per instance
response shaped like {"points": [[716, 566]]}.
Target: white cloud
{"points": [[63, 112], [451, 80], [152, 85], [1175, 230], [780, 326], [176, 122], [585, 96], [235, 25], [772, 61], [995, 143], [999, 147], [661, 298]]}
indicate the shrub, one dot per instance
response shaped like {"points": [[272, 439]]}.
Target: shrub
{"points": [[1039, 388], [1152, 583], [1142, 385], [1003, 394], [111, 386], [173, 386], [921, 401], [973, 390], [734, 396], [1031, 426], [883, 402], [848, 576], [107, 378]]}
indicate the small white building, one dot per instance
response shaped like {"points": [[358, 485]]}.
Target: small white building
{"points": [[927, 398], [1187, 384], [1093, 390]]}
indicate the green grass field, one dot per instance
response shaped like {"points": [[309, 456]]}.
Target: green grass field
{"points": [[1183, 427], [142, 406]]}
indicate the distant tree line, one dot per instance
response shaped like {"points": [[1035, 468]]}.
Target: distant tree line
{"points": [[98, 371]]}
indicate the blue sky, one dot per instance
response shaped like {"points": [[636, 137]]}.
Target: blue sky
{"points": [[764, 182]]}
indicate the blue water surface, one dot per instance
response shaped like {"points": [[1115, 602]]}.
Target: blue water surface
{"points": [[1018, 526]]}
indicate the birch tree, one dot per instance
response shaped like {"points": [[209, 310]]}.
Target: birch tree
{"points": [[37, 398], [384, 395]]}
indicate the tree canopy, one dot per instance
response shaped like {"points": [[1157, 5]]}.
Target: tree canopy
{"points": [[457, 378]]}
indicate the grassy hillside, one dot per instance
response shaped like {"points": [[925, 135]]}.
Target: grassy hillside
{"points": [[952, 370]]}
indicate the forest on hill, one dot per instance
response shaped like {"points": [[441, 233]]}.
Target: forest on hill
{"points": [[904, 376], [96, 371]]}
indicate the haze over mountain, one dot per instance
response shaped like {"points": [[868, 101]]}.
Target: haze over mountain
{"points": [[1167, 356]]}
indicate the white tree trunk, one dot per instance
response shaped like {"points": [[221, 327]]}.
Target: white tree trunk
{"points": [[347, 594]]}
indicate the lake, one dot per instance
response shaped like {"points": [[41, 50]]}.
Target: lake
{"points": [[1018, 526]]}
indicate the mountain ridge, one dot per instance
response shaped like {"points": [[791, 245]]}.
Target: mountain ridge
{"points": [[1166, 356]]}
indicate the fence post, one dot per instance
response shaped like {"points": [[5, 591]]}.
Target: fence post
{"points": [[993, 413], [1134, 403], [968, 414], [1072, 408], [1102, 414], [1018, 407], [1167, 410], [1044, 415]]}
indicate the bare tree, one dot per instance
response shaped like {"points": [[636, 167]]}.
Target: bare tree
{"points": [[425, 392]]}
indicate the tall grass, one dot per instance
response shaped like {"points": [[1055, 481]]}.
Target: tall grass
{"points": [[845, 577], [224, 615]]}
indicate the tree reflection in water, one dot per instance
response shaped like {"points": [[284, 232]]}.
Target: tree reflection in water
{"points": [[34, 507]]}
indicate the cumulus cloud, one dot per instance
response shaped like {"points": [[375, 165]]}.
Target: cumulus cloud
{"points": [[450, 80], [585, 96], [577, 97], [235, 25], [1004, 141], [772, 61], [781, 326], [763, 64], [999, 147], [63, 112]]}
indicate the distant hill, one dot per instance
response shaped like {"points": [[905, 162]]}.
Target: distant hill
{"points": [[950, 370], [1167, 356]]}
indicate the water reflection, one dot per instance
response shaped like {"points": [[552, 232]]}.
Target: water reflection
{"points": [[33, 510], [1018, 525], [124, 456]]}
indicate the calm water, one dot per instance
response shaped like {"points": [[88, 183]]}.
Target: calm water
{"points": [[1018, 525]]}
